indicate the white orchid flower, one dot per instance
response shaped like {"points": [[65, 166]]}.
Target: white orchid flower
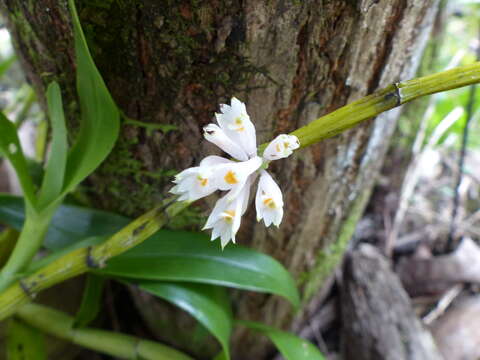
{"points": [[281, 147], [225, 218], [199, 181], [236, 124], [235, 135], [269, 200]]}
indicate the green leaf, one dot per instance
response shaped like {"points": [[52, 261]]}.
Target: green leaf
{"points": [[70, 223], [168, 255], [12, 150], [91, 300], [290, 346], [55, 170], [207, 304], [24, 342], [192, 257], [5, 64], [100, 119], [220, 356]]}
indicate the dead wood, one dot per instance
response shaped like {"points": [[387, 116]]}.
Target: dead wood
{"points": [[457, 333], [377, 316], [432, 275]]}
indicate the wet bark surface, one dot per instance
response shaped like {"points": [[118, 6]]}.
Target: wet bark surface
{"points": [[290, 61]]}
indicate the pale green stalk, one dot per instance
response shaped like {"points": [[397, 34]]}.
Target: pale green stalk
{"points": [[33, 232], [385, 99], [111, 343], [82, 260]]}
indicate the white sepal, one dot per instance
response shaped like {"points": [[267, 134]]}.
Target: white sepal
{"points": [[226, 216], [199, 181], [269, 200], [235, 122], [281, 147], [217, 136]]}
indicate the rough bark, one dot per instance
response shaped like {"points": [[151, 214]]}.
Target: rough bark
{"points": [[172, 62], [379, 322]]}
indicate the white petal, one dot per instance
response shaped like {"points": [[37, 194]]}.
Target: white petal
{"points": [[281, 147], [226, 216], [233, 176], [217, 136], [213, 160], [196, 182], [236, 124], [220, 207], [269, 200]]}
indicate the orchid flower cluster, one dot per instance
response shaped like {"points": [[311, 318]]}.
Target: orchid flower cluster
{"points": [[235, 135]]}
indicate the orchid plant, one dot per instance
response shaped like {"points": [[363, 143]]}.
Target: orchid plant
{"points": [[235, 135]]}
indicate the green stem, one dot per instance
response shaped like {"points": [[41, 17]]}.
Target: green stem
{"points": [[29, 241], [383, 100], [85, 259], [114, 344]]}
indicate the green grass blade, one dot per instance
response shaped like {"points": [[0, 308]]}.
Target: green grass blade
{"points": [[91, 300], [100, 118], [55, 170]]}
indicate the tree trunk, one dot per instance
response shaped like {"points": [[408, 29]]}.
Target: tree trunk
{"points": [[173, 62]]}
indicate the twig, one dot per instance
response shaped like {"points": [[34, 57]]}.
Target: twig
{"points": [[451, 240], [443, 304], [413, 172]]}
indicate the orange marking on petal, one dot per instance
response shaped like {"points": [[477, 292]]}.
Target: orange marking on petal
{"points": [[230, 178], [270, 203], [277, 147]]}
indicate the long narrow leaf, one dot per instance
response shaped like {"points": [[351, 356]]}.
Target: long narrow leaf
{"points": [[167, 256], [100, 119], [12, 150], [91, 300], [290, 346], [55, 170], [208, 304], [192, 257], [70, 224]]}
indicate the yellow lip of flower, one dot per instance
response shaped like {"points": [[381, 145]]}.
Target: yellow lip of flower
{"points": [[228, 216], [230, 178], [202, 181], [269, 203]]}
